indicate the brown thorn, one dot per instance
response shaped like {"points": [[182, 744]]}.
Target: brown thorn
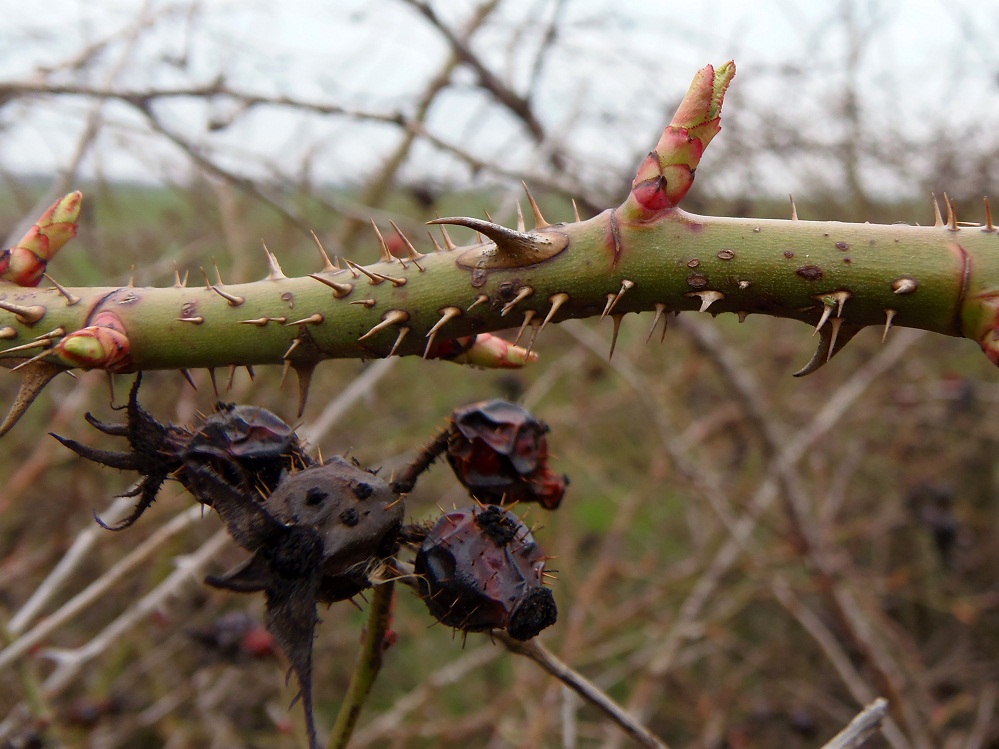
{"points": [[521, 226], [607, 307], [43, 342], [190, 380], [437, 247], [989, 226], [32, 360], [368, 303], [794, 209], [294, 345], [557, 300], [340, 290], [177, 282], [27, 315], [7, 333], [707, 298], [304, 373], [506, 240], [951, 214], [373, 277], [480, 299], [447, 313], [528, 316], [284, 372], [403, 332], [392, 317], [411, 251], [262, 321], [448, 242], [218, 273], [617, 329], [904, 285], [539, 220], [937, 218], [535, 329], [522, 293], [230, 378], [386, 255], [250, 372], [743, 314], [826, 312], [110, 381], [131, 277], [196, 320], [660, 309], [889, 316], [575, 211], [354, 274], [71, 299], [625, 285], [232, 299], [215, 385], [33, 381], [274, 273], [836, 323], [314, 319], [327, 263]]}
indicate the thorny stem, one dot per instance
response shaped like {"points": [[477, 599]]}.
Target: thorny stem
{"points": [[369, 662]]}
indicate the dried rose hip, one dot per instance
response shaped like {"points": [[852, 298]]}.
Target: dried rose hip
{"points": [[481, 569], [498, 450]]}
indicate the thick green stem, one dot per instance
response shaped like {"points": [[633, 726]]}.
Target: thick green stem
{"points": [[369, 662]]}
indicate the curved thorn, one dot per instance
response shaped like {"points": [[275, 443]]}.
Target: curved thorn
{"points": [[827, 347], [480, 299], [392, 317], [71, 299], [33, 381], [889, 316], [506, 240], [447, 313], [522, 293], [27, 315], [557, 300], [660, 309], [386, 254], [937, 218], [539, 220], [528, 316], [340, 290]]}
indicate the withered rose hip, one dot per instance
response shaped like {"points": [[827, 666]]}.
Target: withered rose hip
{"points": [[498, 450], [481, 569]]}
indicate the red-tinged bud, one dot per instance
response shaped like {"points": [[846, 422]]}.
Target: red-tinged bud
{"points": [[103, 345], [25, 263], [499, 451], [492, 352], [668, 172]]}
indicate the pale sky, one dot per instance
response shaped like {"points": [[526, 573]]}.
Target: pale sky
{"points": [[615, 70]]}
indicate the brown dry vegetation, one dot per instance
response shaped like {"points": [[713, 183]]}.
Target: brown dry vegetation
{"points": [[745, 559]]}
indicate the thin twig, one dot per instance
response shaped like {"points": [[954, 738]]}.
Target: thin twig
{"points": [[866, 724], [582, 686]]}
